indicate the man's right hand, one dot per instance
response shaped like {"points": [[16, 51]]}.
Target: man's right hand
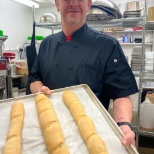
{"points": [[38, 86], [45, 90]]}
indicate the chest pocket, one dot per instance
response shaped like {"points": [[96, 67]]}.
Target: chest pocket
{"points": [[90, 75]]}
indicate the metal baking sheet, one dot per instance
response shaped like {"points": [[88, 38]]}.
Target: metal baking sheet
{"points": [[32, 139]]}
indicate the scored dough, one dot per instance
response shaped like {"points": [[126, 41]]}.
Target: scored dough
{"points": [[50, 126], [85, 124], [14, 136]]}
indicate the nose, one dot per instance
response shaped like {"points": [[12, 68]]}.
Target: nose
{"points": [[74, 2]]}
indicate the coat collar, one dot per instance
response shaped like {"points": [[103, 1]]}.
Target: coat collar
{"points": [[77, 34]]}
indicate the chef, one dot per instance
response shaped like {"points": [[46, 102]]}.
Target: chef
{"points": [[81, 55]]}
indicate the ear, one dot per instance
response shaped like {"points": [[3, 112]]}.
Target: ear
{"points": [[57, 4]]}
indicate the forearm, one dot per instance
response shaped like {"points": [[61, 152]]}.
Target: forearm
{"points": [[122, 112], [36, 86], [122, 109]]}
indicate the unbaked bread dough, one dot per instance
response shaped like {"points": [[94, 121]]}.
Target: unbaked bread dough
{"points": [[14, 137], [50, 126], [85, 124]]}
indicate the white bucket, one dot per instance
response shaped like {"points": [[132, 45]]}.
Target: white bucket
{"points": [[147, 115]]}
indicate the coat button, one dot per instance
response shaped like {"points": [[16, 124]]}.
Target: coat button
{"points": [[115, 60]]}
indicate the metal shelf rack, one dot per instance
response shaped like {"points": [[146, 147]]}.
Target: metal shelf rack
{"points": [[146, 133], [9, 83], [122, 22], [52, 26]]}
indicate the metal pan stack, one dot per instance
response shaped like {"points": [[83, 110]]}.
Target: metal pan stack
{"points": [[132, 10], [136, 58], [132, 14], [103, 10], [149, 61], [97, 14]]}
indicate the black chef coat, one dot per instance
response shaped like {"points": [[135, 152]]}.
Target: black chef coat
{"points": [[91, 58]]}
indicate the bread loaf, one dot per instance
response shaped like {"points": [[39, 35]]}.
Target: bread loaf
{"points": [[50, 126], [85, 125], [14, 137]]}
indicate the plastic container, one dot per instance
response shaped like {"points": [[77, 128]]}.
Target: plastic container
{"points": [[11, 69], [147, 115], [120, 39], [29, 38], [126, 39], [131, 39], [36, 37], [137, 28], [22, 71], [39, 37], [1, 33]]}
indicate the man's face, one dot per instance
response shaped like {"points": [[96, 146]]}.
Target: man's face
{"points": [[73, 11]]}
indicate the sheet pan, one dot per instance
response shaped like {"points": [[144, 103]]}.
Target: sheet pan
{"points": [[32, 139]]}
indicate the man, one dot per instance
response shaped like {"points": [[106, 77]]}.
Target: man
{"points": [[81, 55]]}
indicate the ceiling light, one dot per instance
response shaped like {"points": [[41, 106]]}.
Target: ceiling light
{"points": [[29, 3]]}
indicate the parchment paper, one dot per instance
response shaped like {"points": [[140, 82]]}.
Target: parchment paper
{"points": [[32, 139]]}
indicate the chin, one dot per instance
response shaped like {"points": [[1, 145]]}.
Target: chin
{"points": [[73, 21]]}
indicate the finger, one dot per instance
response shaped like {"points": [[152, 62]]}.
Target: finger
{"points": [[126, 143], [45, 90], [128, 138]]}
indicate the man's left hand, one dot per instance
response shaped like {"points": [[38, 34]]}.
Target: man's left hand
{"points": [[129, 137]]}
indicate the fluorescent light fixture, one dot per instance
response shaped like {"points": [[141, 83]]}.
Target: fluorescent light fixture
{"points": [[28, 3]]}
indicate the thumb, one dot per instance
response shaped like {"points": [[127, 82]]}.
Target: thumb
{"points": [[45, 90], [128, 138], [124, 142]]}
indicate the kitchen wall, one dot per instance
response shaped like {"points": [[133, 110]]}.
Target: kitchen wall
{"points": [[16, 22]]}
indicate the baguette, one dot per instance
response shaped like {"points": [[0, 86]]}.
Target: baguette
{"points": [[14, 137], [85, 124], [50, 126]]}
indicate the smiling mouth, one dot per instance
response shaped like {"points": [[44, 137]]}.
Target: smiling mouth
{"points": [[73, 11]]}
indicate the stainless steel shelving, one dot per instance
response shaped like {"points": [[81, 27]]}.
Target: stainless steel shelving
{"points": [[9, 84], [148, 76], [54, 25], [146, 133], [122, 22], [149, 25], [3, 38]]}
